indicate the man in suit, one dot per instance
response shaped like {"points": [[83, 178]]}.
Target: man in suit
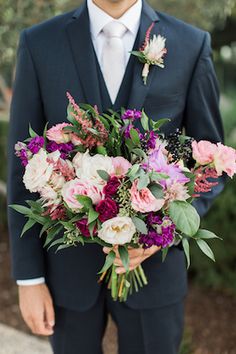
{"points": [[59, 294]]}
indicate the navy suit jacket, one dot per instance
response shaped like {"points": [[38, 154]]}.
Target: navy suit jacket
{"points": [[58, 56]]}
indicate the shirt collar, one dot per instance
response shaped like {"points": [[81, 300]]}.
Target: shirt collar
{"points": [[99, 18]]}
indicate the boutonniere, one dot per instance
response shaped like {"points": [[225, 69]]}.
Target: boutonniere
{"points": [[151, 52]]}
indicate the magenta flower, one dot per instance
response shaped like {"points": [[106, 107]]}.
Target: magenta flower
{"points": [[131, 114], [36, 144]]}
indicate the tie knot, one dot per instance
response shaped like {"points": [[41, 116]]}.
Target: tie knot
{"points": [[114, 29]]}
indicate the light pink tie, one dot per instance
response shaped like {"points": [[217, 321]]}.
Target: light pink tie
{"points": [[113, 57]]}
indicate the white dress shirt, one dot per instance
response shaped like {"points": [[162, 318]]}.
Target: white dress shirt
{"points": [[98, 19]]}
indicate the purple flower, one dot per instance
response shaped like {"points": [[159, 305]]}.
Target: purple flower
{"points": [[153, 218], [127, 131], [158, 162], [36, 144], [132, 114], [161, 235], [64, 148], [24, 157], [151, 143]]}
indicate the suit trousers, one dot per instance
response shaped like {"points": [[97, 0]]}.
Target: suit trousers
{"points": [[149, 331]]}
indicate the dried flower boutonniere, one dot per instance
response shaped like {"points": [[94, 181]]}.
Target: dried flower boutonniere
{"points": [[151, 53]]}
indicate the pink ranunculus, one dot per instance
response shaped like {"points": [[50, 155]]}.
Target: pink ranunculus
{"points": [[58, 134], [121, 166], [225, 160], [203, 151], [80, 187], [143, 200]]}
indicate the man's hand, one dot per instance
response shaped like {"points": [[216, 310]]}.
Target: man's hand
{"points": [[37, 308], [136, 257]]}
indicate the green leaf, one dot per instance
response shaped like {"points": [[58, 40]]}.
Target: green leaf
{"points": [[140, 225], [101, 150], [92, 215], [205, 234], [35, 205], [144, 121], [124, 256], [45, 131], [104, 122], [205, 248], [56, 242], [104, 175], [46, 226], [186, 250], [158, 124], [185, 217], [134, 136], [133, 170], [129, 143], [156, 176], [108, 262], [30, 223], [52, 233], [143, 181], [62, 247], [21, 209], [156, 190], [84, 200], [164, 253], [139, 152], [32, 133]]}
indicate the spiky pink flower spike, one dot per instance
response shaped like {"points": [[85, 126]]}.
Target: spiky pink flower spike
{"points": [[147, 36], [202, 184], [72, 102]]}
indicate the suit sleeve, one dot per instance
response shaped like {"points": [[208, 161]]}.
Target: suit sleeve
{"points": [[202, 118], [26, 107]]}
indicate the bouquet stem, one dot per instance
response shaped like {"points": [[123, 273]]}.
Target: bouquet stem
{"points": [[122, 285]]}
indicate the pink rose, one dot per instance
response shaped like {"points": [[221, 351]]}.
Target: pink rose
{"points": [[121, 166], [58, 134], [203, 151], [225, 160], [143, 200], [80, 187]]}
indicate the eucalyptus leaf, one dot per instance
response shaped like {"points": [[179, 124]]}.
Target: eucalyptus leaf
{"points": [[156, 190], [143, 181], [205, 248], [185, 244], [158, 124], [108, 262], [104, 175], [144, 121], [30, 223], [124, 256], [205, 234], [140, 225], [185, 217]]}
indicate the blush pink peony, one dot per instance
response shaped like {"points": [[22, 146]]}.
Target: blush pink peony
{"points": [[225, 160], [80, 187], [143, 200], [58, 134], [121, 166], [203, 151]]}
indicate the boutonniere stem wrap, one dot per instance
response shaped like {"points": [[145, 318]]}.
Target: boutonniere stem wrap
{"points": [[151, 53]]}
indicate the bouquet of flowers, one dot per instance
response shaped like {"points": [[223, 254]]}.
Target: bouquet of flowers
{"points": [[100, 179]]}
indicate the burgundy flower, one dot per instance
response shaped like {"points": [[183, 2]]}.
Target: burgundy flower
{"points": [[107, 209], [36, 144], [111, 187], [82, 225]]}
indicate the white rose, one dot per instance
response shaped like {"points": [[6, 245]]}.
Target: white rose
{"points": [[37, 172], [57, 181], [87, 166], [117, 231]]}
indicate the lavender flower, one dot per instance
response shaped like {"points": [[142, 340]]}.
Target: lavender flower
{"points": [[36, 144], [132, 114]]}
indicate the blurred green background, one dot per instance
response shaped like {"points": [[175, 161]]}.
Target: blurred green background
{"points": [[216, 16]]}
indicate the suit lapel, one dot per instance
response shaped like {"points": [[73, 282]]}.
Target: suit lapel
{"points": [[139, 91], [81, 45]]}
